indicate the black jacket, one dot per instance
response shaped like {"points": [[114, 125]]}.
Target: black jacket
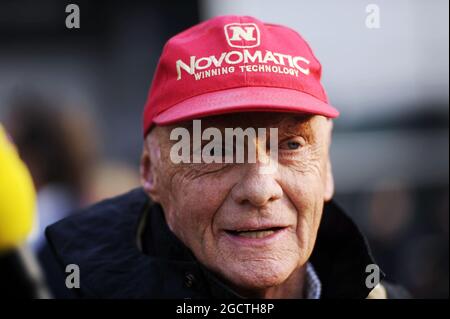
{"points": [[124, 249]]}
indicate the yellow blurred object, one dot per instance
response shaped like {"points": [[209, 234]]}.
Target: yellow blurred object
{"points": [[17, 196]]}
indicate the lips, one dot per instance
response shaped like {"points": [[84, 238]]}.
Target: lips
{"points": [[255, 233]]}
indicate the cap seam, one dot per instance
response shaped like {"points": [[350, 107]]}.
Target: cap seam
{"points": [[309, 48], [243, 43]]}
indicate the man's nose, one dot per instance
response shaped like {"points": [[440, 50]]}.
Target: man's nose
{"points": [[256, 188]]}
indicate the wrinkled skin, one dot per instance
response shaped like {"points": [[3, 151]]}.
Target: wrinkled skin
{"points": [[204, 202]]}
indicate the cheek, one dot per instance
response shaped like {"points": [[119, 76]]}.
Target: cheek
{"points": [[191, 213], [303, 187], [305, 192]]}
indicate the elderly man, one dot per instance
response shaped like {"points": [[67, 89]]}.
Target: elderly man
{"points": [[207, 221]]}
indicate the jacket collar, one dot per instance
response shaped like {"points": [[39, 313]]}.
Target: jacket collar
{"points": [[113, 266]]}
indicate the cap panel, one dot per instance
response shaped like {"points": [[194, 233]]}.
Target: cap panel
{"points": [[233, 52]]}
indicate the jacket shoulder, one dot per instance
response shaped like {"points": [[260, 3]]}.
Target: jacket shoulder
{"points": [[92, 237], [108, 212]]}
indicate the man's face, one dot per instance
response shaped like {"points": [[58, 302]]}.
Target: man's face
{"points": [[253, 229]]}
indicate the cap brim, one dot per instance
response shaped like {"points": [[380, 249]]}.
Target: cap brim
{"points": [[245, 99]]}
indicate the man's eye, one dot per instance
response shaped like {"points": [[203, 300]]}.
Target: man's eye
{"points": [[293, 145]]}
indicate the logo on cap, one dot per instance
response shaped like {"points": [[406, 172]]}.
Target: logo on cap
{"points": [[242, 35]]}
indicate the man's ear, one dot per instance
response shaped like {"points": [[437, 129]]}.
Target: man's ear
{"points": [[329, 179], [329, 182], [147, 172]]}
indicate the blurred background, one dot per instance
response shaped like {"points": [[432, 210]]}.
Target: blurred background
{"points": [[72, 99]]}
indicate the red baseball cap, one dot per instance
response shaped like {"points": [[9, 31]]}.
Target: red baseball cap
{"points": [[235, 64]]}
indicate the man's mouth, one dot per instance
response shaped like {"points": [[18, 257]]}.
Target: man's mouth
{"points": [[255, 233]]}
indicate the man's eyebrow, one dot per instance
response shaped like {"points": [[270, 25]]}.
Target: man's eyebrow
{"points": [[298, 125]]}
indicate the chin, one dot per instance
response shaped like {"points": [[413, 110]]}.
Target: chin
{"points": [[259, 274]]}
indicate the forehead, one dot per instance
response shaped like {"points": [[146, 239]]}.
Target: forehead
{"points": [[283, 121]]}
